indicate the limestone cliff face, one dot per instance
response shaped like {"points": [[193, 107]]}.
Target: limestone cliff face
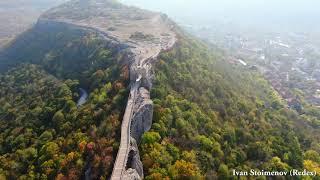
{"points": [[134, 164], [140, 123], [142, 118]]}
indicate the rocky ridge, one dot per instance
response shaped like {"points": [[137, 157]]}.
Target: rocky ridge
{"points": [[143, 34]]}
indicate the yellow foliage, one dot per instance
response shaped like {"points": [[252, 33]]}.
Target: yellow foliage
{"points": [[311, 166], [182, 169], [71, 156]]}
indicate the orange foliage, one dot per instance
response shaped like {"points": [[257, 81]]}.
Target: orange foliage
{"points": [[82, 146]]}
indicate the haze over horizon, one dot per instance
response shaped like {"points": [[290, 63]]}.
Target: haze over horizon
{"points": [[272, 14]]}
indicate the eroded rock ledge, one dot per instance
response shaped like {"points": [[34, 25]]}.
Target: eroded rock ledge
{"points": [[142, 118]]}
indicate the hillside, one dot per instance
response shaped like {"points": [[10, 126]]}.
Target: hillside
{"points": [[205, 116], [211, 117], [48, 135], [85, 140], [43, 133]]}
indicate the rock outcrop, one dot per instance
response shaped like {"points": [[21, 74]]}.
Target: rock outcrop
{"points": [[134, 164], [140, 35], [131, 174], [143, 111]]}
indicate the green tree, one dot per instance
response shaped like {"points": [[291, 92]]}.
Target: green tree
{"points": [[58, 119], [150, 138], [223, 171]]}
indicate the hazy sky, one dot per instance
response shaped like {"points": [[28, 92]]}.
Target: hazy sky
{"points": [[229, 6], [302, 13]]}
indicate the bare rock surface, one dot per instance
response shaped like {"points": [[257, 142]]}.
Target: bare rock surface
{"points": [[134, 161], [131, 174], [147, 32], [142, 119]]}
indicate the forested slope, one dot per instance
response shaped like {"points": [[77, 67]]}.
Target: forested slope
{"points": [[211, 117], [63, 50], [43, 133]]}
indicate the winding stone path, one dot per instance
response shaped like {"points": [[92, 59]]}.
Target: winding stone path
{"points": [[122, 156]]}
